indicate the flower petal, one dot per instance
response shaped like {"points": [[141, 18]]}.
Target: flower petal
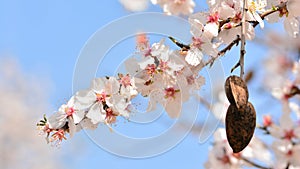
{"points": [[78, 116], [145, 62], [259, 20], [57, 120], [72, 127], [95, 113], [84, 99], [194, 57], [174, 106]]}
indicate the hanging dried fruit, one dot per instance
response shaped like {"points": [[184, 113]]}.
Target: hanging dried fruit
{"points": [[236, 91], [240, 125]]}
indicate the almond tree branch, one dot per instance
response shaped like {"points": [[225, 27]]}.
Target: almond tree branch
{"points": [[181, 45], [223, 51], [254, 24]]}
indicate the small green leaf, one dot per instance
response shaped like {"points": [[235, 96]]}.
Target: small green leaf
{"points": [[45, 118]]}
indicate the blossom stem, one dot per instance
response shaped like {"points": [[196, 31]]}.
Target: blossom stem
{"points": [[181, 45], [265, 129], [243, 40], [223, 51]]}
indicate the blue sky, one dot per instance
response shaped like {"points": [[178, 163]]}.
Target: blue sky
{"points": [[46, 37]]}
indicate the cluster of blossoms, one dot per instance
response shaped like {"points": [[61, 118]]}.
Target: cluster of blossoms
{"points": [[221, 24], [222, 21], [163, 75], [157, 73], [106, 99]]}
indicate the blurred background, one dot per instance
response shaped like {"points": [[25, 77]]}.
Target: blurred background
{"points": [[39, 45]]}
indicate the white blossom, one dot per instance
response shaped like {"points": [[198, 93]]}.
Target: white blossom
{"points": [[94, 98], [254, 8], [290, 14], [67, 112], [176, 7], [286, 130], [285, 154], [135, 5]]}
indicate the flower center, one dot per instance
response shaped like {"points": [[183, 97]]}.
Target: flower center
{"points": [[125, 81], [252, 6], [289, 153], [213, 18], [100, 97], [289, 134], [58, 136], [190, 80], [69, 111], [163, 65], [151, 69], [197, 42], [110, 116], [225, 159], [170, 92]]}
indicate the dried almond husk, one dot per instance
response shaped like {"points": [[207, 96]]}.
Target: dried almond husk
{"points": [[236, 91], [240, 125]]}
